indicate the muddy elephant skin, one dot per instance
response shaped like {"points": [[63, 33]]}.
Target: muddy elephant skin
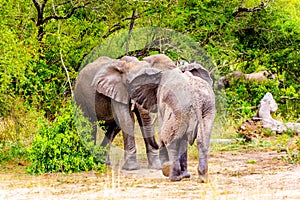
{"points": [[186, 105]]}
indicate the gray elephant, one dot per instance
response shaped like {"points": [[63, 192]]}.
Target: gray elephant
{"points": [[185, 103], [226, 81], [102, 94]]}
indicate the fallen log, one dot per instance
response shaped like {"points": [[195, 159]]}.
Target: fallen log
{"points": [[263, 119]]}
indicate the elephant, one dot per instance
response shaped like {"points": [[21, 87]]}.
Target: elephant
{"points": [[226, 81], [101, 93], [185, 103]]}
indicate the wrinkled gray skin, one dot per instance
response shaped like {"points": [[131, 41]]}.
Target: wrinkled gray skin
{"points": [[186, 107], [101, 92]]}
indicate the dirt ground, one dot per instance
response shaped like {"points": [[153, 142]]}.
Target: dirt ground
{"points": [[232, 175]]}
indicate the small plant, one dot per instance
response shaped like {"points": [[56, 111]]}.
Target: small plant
{"points": [[60, 148], [251, 161], [12, 152]]}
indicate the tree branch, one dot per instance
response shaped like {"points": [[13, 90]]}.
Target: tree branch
{"points": [[70, 13], [67, 16], [117, 26], [133, 17], [36, 5], [261, 6], [62, 3], [39, 11], [43, 5]]}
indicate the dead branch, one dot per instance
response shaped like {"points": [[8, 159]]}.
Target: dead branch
{"points": [[263, 119], [133, 17], [261, 6], [41, 19], [239, 10]]}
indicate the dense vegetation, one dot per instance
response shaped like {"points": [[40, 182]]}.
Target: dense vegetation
{"points": [[43, 44]]}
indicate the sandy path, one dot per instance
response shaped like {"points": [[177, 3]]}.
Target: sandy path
{"points": [[233, 175]]}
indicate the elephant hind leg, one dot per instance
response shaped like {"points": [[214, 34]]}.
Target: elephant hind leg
{"points": [[173, 152], [166, 168], [203, 140], [163, 154], [183, 158]]}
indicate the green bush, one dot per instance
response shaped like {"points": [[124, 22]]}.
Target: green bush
{"points": [[59, 147], [12, 152]]}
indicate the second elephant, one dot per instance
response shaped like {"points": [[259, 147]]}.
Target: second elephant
{"points": [[185, 103]]}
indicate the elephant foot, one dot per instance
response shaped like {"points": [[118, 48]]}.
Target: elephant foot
{"points": [[185, 174], [166, 169], [175, 178], [153, 161], [131, 165], [203, 179], [203, 170], [203, 176]]}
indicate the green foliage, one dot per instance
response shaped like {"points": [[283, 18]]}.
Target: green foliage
{"points": [[14, 152], [290, 144], [34, 84], [59, 148]]}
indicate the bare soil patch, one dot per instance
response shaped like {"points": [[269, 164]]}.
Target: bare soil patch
{"points": [[233, 175]]}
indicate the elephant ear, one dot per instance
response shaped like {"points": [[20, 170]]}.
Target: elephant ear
{"points": [[198, 70], [143, 88], [108, 81]]}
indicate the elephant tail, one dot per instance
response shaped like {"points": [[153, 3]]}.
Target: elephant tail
{"points": [[192, 130], [192, 136]]}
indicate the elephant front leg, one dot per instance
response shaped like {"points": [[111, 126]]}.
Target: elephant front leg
{"points": [[130, 153], [163, 155], [147, 129], [124, 117]]}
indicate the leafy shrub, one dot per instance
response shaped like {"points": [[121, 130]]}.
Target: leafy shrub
{"points": [[59, 147], [12, 152], [289, 143]]}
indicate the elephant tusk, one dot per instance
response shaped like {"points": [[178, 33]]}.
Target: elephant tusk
{"points": [[154, 120], [132, 106]]}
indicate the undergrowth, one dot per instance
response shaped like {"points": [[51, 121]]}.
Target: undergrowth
{"points": [[65, 145]]}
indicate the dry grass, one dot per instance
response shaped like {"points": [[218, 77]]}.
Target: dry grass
{"points": [[231, 174]]}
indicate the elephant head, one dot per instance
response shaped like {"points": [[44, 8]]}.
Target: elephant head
{"points": [[185, 105], [110, 79], [198, 70], [160, 61]]}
